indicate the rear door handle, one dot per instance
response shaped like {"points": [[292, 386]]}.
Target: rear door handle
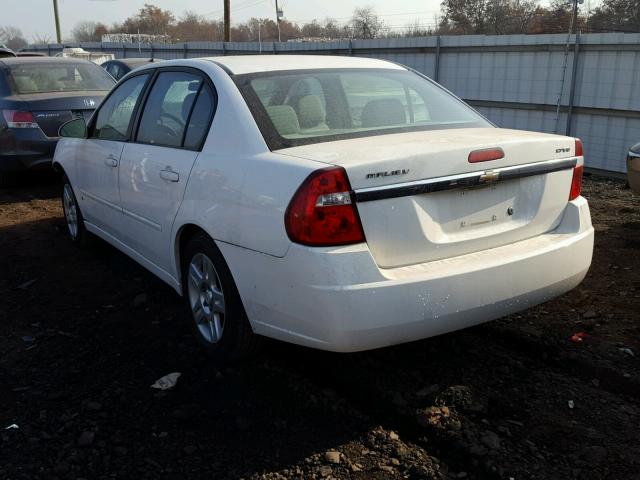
{"points": [[111, 161], [169, 175]]}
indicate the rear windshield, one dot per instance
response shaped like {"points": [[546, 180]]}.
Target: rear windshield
{"points": [[58, 77], [303, 107]]}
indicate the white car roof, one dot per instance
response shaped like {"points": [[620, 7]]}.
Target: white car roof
{"points": [[242, 64]]}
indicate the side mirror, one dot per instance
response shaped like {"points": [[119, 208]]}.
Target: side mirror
{"points": [[76, 128]]}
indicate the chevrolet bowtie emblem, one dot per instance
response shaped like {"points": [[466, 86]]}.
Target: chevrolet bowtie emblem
{"points": [[489, 177]]}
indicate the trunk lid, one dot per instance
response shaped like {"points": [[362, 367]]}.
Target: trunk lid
{"points": [[51, 110], [420, 199]]}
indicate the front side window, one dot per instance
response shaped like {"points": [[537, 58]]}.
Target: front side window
{"points": [[115, 114], [299, 108], [44, 77], [167, 110]]}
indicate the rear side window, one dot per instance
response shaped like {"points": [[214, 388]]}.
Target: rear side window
{"points": [[114, 70], [167, 110], [115, 114], [200, 118]]}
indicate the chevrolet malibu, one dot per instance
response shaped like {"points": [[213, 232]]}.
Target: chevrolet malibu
{"points": [[339, 203]]}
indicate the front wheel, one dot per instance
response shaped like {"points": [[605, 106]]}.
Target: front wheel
{"points": [[214, 307], [72, 214]]}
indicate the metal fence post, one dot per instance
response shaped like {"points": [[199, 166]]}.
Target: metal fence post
{"points": [[124, 51], [350, 47], [274, 48], [436, 66], [572, 91], [185, 50]]}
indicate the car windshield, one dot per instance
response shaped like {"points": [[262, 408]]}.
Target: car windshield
{"points": [[58, 77], [299, 108]]}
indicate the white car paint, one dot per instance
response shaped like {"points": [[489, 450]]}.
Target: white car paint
{"points": [[419, 273]]}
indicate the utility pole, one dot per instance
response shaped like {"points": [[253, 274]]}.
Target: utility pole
{"points": [[227, 20], [278, 15], [57, 18], [574, 18], [573, 25]]}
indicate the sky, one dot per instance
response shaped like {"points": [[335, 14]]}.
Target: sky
{"points": [[35, 17]]}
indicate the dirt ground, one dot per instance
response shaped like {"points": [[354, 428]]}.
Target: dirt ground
{"points": [[84, 333]]}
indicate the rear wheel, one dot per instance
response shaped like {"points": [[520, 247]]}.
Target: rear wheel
{"points": [[214, 308], [72, 214]]}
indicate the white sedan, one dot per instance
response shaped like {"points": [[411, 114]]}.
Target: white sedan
{"points": [[339, 203]]}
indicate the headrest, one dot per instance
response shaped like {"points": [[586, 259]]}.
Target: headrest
{"points": [[383, 112], [284, 118], [311, 111]]}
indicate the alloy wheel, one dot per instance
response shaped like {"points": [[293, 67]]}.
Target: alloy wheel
{"points": [[206, 298], [70, 210]]}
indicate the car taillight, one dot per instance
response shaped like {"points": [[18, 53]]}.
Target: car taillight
{"points": [[576, 183], [576, 180], [17, 119], [322, 212]]}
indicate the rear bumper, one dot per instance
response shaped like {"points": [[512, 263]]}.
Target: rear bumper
{"points": [[338, 299], [25, 149]]}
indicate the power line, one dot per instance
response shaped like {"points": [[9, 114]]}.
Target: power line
{"points": [[397, 14], [242, 6]]}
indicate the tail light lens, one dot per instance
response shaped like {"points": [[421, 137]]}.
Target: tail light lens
{"points": [[322, 211], [576, 182], [17, 119]]}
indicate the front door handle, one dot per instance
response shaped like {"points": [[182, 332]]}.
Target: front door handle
{"points": [[111, 161], [169, 175]]}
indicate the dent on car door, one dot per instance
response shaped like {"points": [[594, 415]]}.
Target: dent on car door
{"points": [[155, 167], [98, 158]]}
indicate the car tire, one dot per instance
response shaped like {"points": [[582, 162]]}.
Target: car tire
{"points": [[213, 305], [74, 220]]}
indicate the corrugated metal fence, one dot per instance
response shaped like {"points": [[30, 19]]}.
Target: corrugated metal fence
{"points": [[515, 80]]}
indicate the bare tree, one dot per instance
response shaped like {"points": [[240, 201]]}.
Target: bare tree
{"points": [[332, 29], [416, 29], [366, 24], [88, 31], [464, 16], [616, 15], [42, 39], [150, 20], [192, 27], [12, 37], [523, 13]]}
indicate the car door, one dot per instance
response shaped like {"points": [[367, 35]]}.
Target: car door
{"points": [[155, 167], [98, 157]]}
